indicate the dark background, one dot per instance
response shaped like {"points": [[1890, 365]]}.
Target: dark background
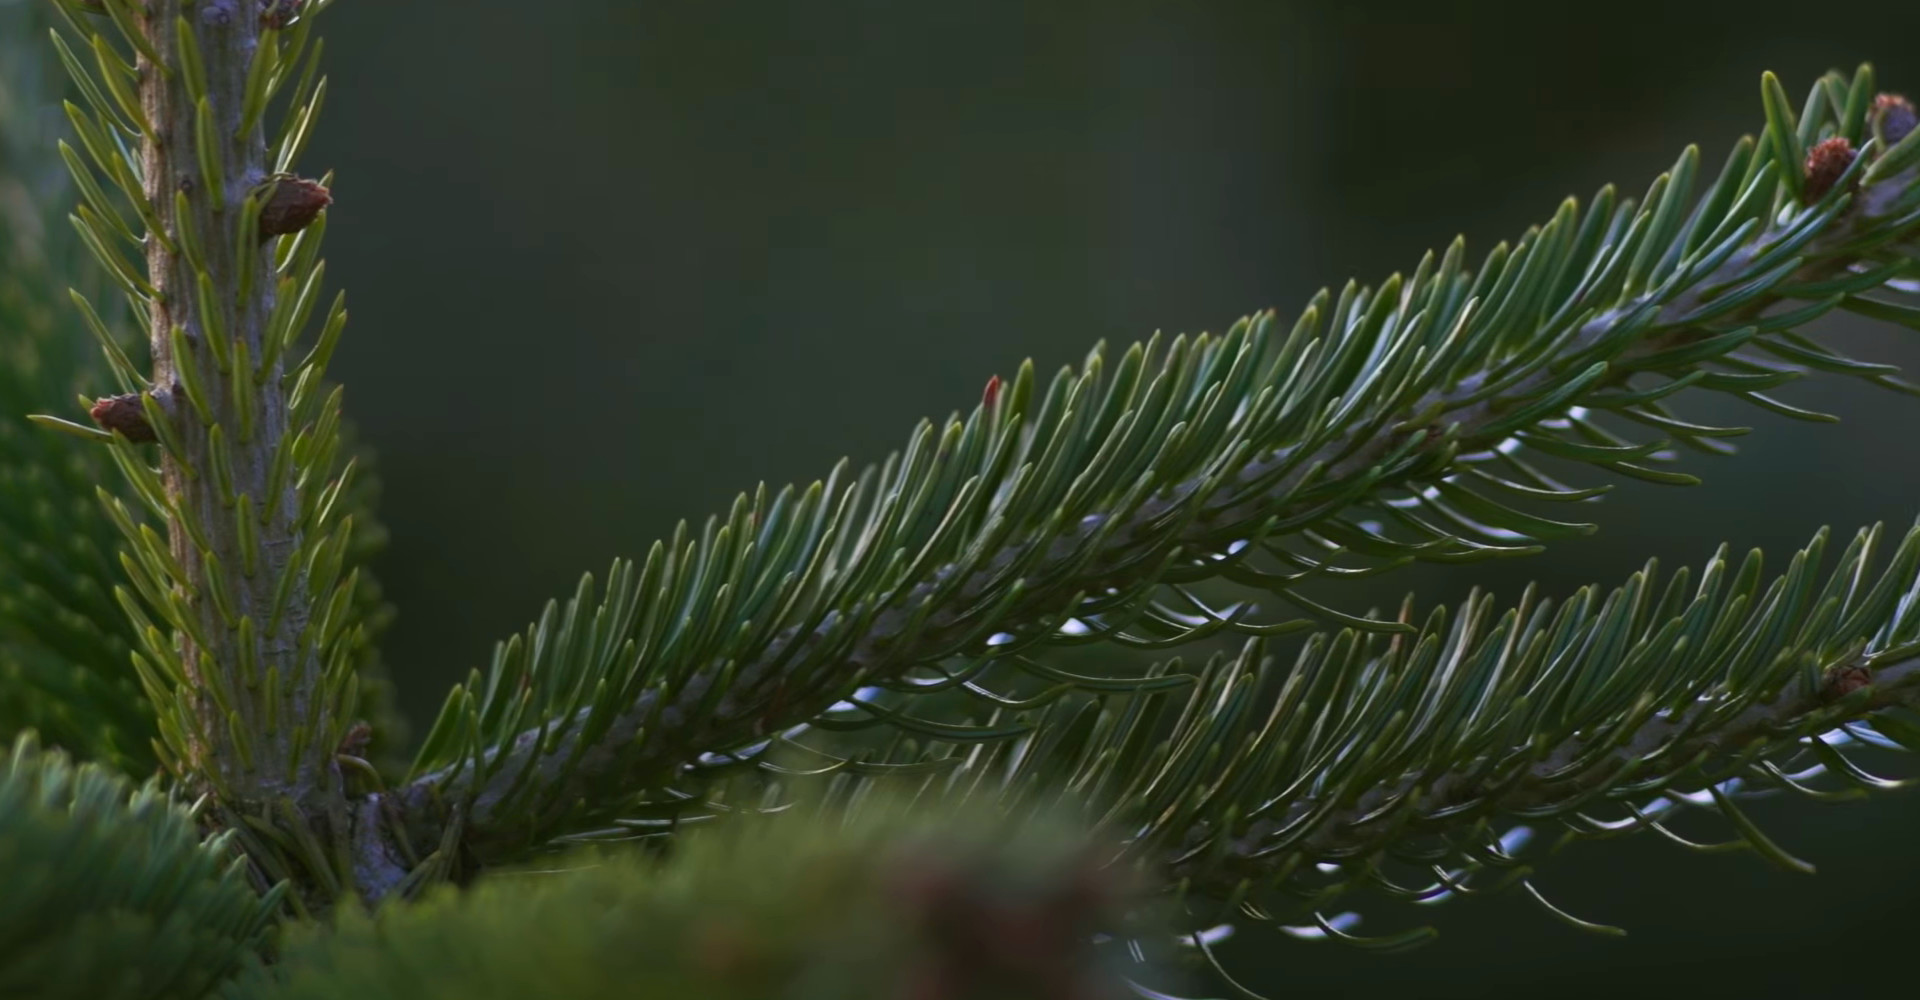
{"points": [[611, 263]]}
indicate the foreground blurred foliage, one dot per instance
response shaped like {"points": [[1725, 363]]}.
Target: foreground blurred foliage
{"points": [[888, 903], [110, 891]]}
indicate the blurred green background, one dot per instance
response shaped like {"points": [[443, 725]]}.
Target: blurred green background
{"points": [[611, 263]]}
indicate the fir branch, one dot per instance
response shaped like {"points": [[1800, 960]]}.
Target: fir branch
{"points": [[1702, 737], [1269, 792], [1537, 717], [252, 616], [991, 538], [201, 175], [65, 643]]}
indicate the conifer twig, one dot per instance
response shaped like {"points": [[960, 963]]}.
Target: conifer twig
{"points": [[201, 177], [1673, 741], [719, 705], [245, 608]]}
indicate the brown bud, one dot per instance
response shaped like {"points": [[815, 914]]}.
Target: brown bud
{"points": [[292, 204], [1893, 118], [279, 13], [356, 739], [1825, 163], [125, 415], [1843, 681], [992, 395]]}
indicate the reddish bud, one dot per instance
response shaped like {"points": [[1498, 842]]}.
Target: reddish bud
{"points": [[1825, 163], [1845, 681], [1893, 118], [279, 13], [292, 203], [355, 741], [124, 415], [992, 395]]}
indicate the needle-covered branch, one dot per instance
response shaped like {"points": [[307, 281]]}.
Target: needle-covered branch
{"points": [[1386, 760], [1416, 764], [1387, 425], [245, 601]]}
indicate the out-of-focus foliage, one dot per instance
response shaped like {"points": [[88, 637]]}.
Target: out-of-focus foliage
{"points": [[885, 904], [108, 892], [64, 642]]}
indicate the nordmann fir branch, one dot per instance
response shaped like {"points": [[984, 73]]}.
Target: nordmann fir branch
{"points": [[1416, 764], [247, 652], [1600, 717], [1191, 459], [1181, 479]]}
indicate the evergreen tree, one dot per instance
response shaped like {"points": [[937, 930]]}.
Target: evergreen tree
{"points": [[858, 738]]}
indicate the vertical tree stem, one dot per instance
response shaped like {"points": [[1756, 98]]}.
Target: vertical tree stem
{"points": [[259, 724]]}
